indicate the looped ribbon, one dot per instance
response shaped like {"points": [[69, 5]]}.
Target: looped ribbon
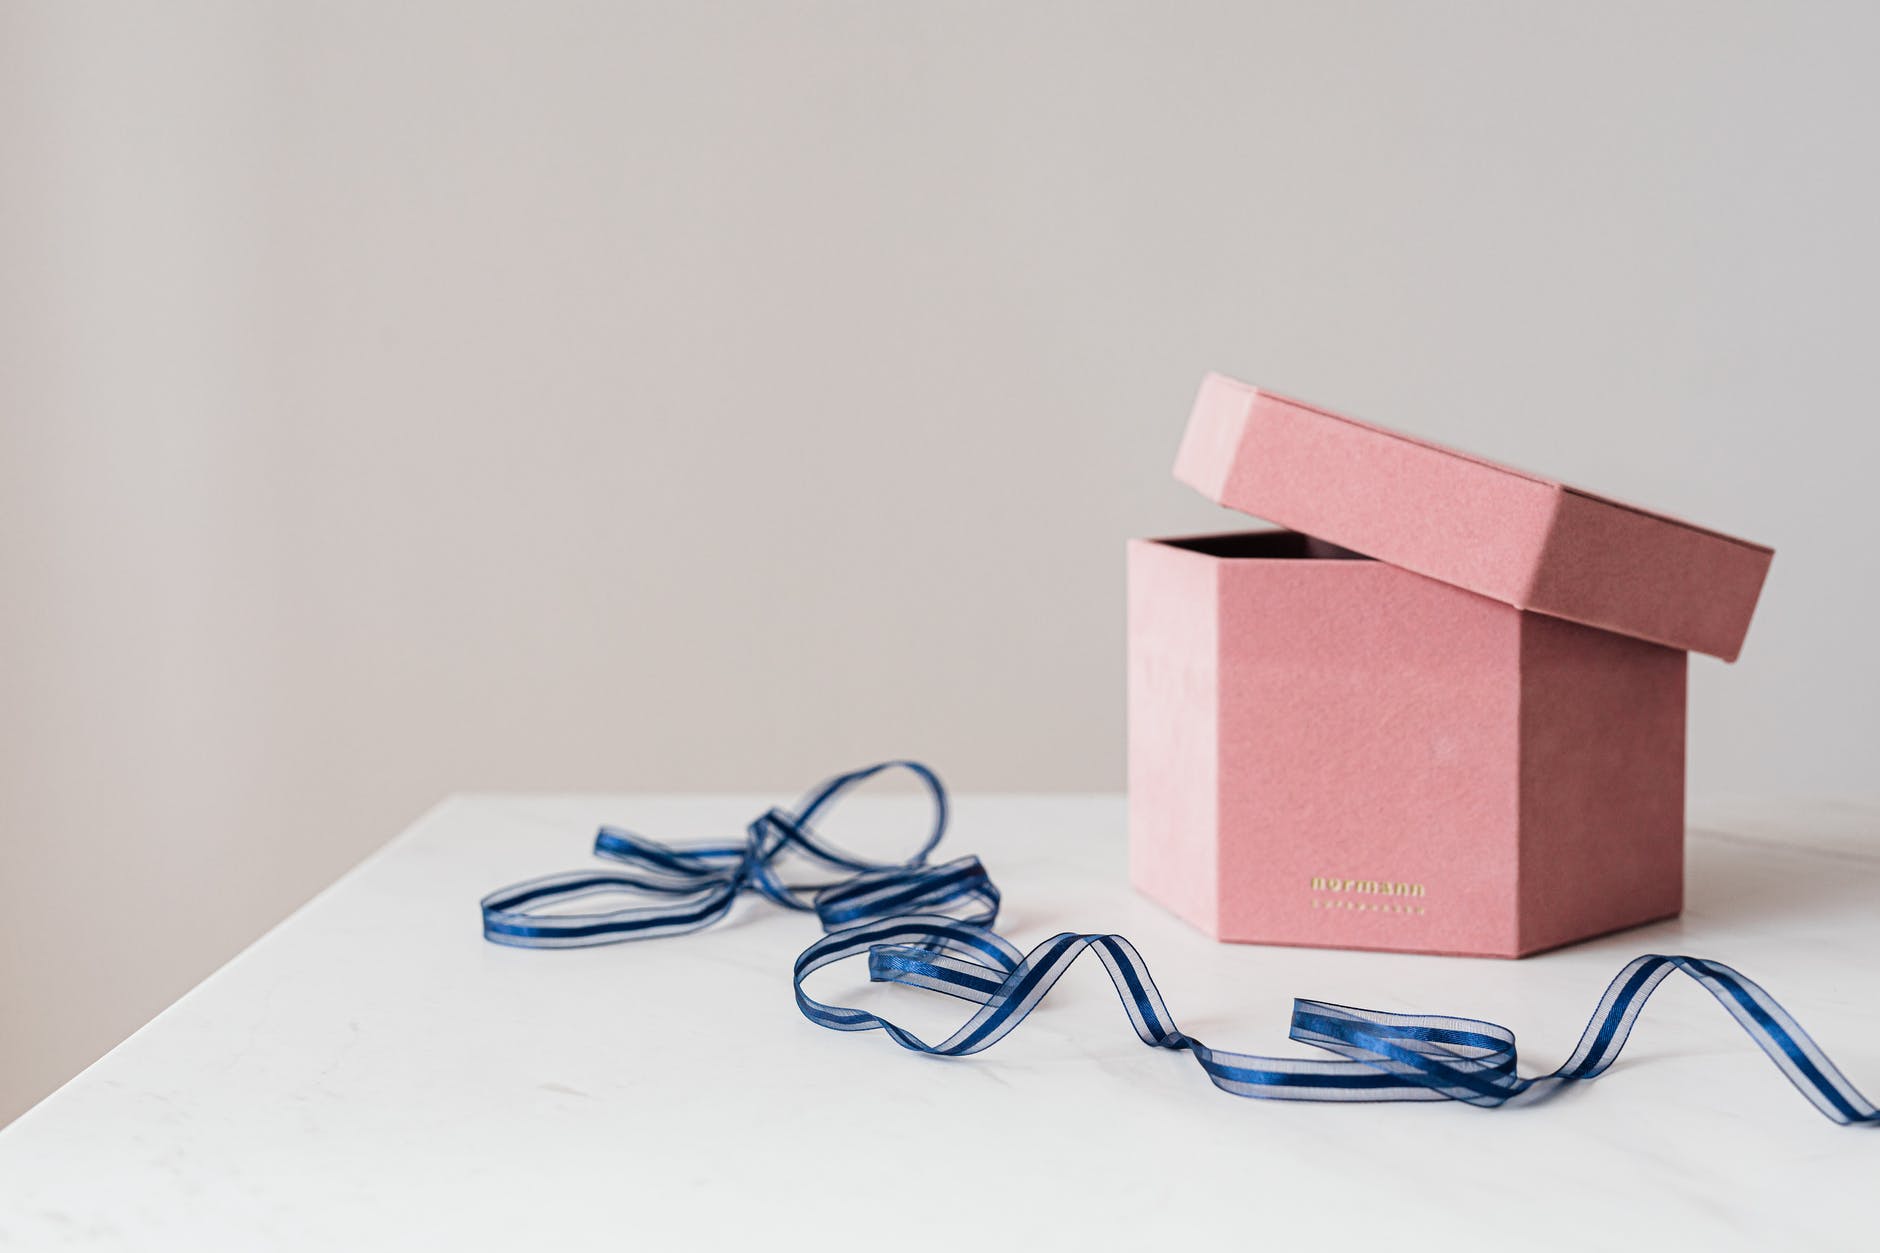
{"points": [[1383, 1056], [931, 928], [696, 886]]}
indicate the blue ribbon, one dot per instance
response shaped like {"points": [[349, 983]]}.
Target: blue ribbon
{"points": [[694, 887], [930, 927]]}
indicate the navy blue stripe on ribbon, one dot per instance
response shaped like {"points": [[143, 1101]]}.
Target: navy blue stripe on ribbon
{"points": [[930, 927], [695, 887]]}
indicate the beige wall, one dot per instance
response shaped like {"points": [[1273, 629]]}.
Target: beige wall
{"points": [[403, 398]]}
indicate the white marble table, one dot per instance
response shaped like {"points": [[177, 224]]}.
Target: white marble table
{"points": [[372, 1075]]}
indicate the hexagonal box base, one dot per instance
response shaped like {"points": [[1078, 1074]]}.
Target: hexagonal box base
{"points": [[1332, 751]]}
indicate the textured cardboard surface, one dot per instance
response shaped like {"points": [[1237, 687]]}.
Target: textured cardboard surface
{"points": [[1174, 687], [1602, 782], [1515, 537], [1455, 775]]}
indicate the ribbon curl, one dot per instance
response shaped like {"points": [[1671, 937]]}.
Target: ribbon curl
{"points": [[929, 927], [1386, 1056], [696, 886]]}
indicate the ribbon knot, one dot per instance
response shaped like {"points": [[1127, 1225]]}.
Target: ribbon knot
{"points": [[696, 886]]}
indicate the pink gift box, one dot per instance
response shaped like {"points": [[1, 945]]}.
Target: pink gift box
{"points": [[1443, 713]]}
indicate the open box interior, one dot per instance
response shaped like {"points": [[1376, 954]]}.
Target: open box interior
{"points": [[1263, 546]]}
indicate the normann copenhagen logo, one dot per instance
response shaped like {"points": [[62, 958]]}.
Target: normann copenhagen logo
{"points": [[1367, 887]]}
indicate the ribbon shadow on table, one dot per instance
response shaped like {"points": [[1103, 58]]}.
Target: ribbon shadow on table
{"points": [[930, 927]]}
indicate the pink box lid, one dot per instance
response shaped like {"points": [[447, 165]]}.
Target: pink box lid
{"points": [[1516, 537]]}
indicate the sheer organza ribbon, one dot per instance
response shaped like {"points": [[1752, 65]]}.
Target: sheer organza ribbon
{"points": [[930, 927], [693, 887]]}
